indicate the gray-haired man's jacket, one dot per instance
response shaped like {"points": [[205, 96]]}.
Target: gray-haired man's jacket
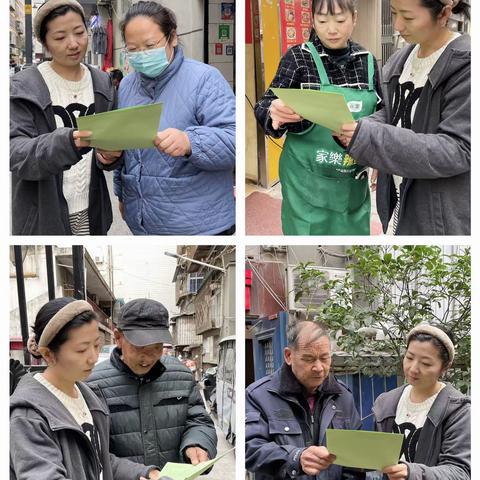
{"points": [[443, 449], [433, 157], [47, 443], [156, 416], [279, 425]]}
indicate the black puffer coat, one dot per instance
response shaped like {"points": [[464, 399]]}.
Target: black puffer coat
{"points": [[156, 417]]}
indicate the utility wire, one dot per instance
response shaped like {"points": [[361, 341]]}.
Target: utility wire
{"points": [[267, 287]]}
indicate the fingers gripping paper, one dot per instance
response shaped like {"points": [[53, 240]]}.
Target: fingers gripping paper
{"points": [[185, 471], [132, 127], [360, 449], [324, 108]]}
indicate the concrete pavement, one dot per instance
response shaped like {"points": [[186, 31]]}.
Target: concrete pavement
{"points": [[225, 467]]}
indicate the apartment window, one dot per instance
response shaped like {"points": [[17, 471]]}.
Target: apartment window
{"points": [[195, 282], [216, 310]]}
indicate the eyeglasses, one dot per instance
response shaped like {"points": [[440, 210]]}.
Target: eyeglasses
{"points": [[147, 49]]}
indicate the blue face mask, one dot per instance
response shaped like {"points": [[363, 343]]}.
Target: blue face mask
{"points": [[150, 62]]}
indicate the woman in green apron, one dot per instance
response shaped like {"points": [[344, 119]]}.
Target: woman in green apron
{"points": [[324, 191]]}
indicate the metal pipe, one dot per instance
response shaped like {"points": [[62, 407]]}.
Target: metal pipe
{"points": [[176, 255], [22, 303], [50, 275], [206, 26], [78, 272], [28, 33]]}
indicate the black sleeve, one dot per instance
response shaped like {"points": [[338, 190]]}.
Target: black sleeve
{"points": [[289, 75]]}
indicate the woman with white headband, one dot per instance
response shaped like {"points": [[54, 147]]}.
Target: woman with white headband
{"points": [[58, 181], [432, 415], [420, 141], [59, 429]]}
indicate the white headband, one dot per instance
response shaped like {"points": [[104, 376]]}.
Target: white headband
{"points": [[440, 335], [61, 318]]}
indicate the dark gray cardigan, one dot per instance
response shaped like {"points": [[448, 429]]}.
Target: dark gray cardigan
{"points": [[443, 449], [40, 152], [47, 443], [433, 157]]}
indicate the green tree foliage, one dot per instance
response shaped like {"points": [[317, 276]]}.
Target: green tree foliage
{"points": [[393, 289]]}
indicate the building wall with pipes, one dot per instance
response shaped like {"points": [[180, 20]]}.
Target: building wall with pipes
{"points": [[208, 296], [197, 20], [35, 274]]}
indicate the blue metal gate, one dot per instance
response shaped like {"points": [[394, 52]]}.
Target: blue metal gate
{"points": [[365, 390], [269, 339]]}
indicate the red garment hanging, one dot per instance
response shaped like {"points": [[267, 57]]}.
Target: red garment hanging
{"points": [[108, 58]]}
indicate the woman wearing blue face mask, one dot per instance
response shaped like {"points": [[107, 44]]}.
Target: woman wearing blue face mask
{"points": [[183, 185]]}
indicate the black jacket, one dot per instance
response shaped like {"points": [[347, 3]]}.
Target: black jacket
{"points": [[279, 425], [40, 152], [156, 417]]}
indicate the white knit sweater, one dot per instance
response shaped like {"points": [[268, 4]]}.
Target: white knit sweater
{"points": [[71, 100]]}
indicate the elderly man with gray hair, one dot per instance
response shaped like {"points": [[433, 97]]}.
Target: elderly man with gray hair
{"points": [[288, 412], [156, 411]]}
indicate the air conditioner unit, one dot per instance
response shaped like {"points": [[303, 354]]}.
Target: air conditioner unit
{"points": [[316, 298]]}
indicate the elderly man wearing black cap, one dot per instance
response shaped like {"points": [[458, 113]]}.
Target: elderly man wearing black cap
{"points": [[157, 414]]}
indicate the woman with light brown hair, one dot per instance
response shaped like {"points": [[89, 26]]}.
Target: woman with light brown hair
{"points": [[420, 141], [433, 416]]}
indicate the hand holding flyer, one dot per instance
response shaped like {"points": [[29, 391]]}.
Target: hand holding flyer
{"points": [[127, 128]]}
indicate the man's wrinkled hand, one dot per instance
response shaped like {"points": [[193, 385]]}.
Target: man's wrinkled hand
{"points": [[315, 459], [196, 455], [155, 475]]}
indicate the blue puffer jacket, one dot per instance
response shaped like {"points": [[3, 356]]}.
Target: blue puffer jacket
{"points": [[193, 195]]}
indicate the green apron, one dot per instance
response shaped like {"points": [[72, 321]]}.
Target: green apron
{"points": [[321, 194]]}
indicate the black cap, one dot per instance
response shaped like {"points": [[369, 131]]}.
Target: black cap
{"points": [[144, 322]]}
